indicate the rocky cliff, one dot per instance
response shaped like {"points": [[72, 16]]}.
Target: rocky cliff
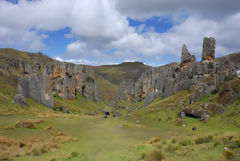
{"points": [[201, 78], [43, 78]]}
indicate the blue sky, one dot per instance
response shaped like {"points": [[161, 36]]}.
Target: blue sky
{"points": [[114, 31]]}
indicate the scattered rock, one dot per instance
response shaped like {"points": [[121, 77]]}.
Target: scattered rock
{"points": [[181, 114], [28, 123], [137, 122], [128, 115], [63, 109], [105, 116], [204, 118], [20, 100], [180, 122], [117, 114], [105, 112]]}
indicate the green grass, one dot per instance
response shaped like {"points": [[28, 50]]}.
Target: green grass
{"points": [[121, 138], [101, 139]]}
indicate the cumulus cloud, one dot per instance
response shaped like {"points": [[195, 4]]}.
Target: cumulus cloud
{"points": [[190, 32], [96, 22], [103, 34]]}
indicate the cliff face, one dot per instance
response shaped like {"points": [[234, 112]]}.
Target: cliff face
{"points": [[42, 78], [201, 78]]}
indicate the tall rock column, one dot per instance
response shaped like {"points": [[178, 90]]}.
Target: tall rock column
{"points": [[208, 52]]}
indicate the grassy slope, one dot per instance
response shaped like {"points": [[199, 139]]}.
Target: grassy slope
{"points": [[110, 76], [118, 139]]}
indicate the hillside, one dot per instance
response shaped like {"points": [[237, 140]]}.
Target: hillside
{"points": [[81, 128], [109, 77]]}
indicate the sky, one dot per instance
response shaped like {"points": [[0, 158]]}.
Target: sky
{"points": [[97, 32]]}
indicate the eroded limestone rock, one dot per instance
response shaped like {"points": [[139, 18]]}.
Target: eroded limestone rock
{"points": [[208, 52]]}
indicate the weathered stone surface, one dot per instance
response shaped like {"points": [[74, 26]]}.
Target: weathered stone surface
{"points": [[23, 86], [20, 100], [186, 56], [194, 112], [215, 108], [43, 77], [230, 92], [208, 51], [201, 78]]}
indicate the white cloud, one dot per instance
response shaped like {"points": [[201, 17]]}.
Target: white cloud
{"points": [[101, 25], [190, 32], [85, 61], [96, 22]]}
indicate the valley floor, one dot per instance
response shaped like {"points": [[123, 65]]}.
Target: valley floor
{"points": [[148, 134]]}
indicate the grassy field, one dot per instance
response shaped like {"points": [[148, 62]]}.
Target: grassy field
{"points": [[148, 134]]}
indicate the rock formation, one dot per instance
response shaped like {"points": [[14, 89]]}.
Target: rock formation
{"points": [[208, 52], [186, 56], [201, 78], [43, 78]]}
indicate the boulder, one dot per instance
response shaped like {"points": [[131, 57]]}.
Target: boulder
{"points": [[215, 108], [194, 112], [20, 100], [204, 118], [105, 112], [117, 114], [208, 52]]}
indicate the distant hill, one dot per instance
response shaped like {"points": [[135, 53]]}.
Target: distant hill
{"points": [[109, 77]]}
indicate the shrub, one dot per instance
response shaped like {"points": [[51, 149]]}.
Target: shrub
{"points": [[174, 141], [185, 142], [90, 79], [171, 148], [143, 156], [229, 154], [203, 140], [216, 143]]}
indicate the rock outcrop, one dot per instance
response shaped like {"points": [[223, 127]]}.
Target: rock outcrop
{"points": [[20, 100], [201, 78], [43, 78], [208, 52], [186, 56]]}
